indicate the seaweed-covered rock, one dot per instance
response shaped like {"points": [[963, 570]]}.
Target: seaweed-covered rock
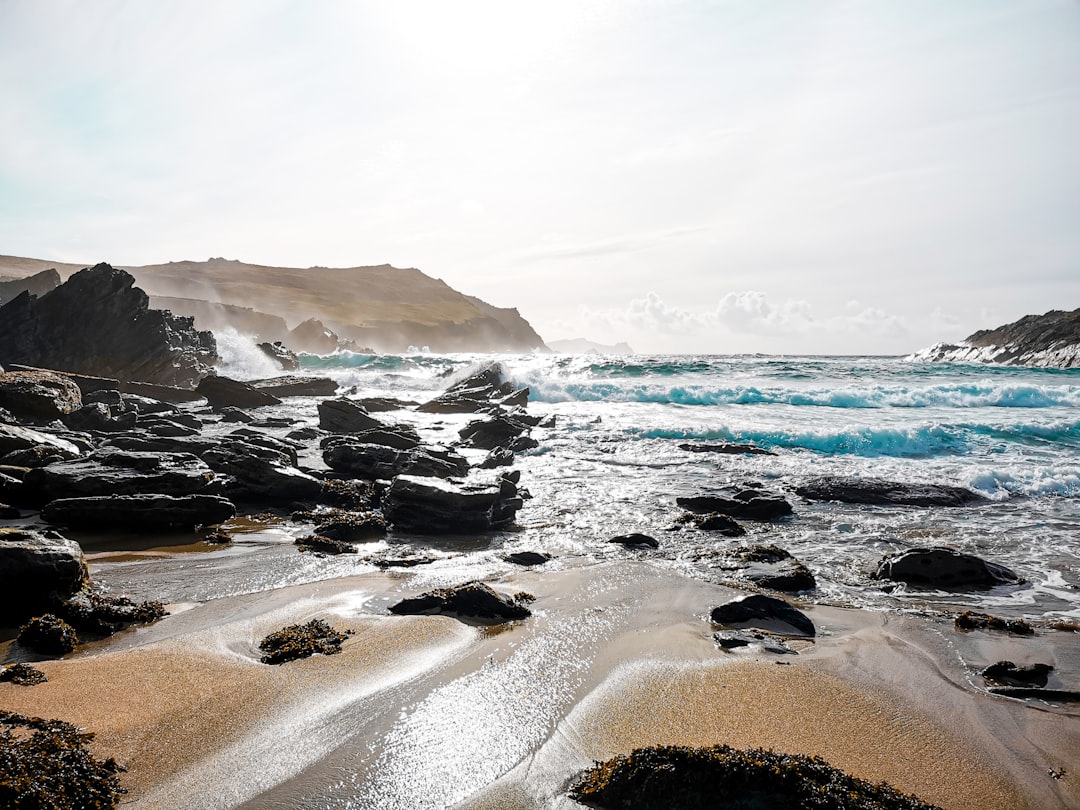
{"points": [[943, 568], [973, 620], [1008, 673], [353, 527], [22, 675], [46, 764], [301, 641], [324, 545], [756, 609], [103, 614], [473, 600], [877, 491], [673, 777], [139, 512], [48, 635], [37, 571], [38, 396]]}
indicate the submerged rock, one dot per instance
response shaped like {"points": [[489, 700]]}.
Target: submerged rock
{"points": [[727, 449], [748, 504], [876, 491], [712, 522], [324, 545], [757, 608], [943, 568], [473, 600], [675, 777]]}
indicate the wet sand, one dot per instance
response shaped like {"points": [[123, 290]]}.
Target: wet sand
{"points": [[431, 712]]}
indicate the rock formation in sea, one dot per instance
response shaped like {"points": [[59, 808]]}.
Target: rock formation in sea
{"points": [[99, 323], [1051, 340]]}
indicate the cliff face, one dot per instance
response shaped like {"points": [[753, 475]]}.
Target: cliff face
{"points": [[1051, 340]]}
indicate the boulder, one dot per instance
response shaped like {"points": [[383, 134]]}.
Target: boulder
{"points": [[117, 472], [261, 473], [374, 461], [473, 600], [13, 437], [760, 611], [748, 504], [38, 396], [876, 491], [635, 541], [353, 527], [499, 457], [224, 392], [943, 568], [38, 569], [775, 568], [97, 416], [98, 323], [432, 506], [139, 512], [345, 416], [279, 353], [527, 558], [297, 386]]}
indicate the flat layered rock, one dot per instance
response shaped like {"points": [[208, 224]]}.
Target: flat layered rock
{"points": [[876, 491], [434, 506], [376, 461], [14, 437], [139, 512], [296, 386], [117, 472], [346, 416], [38, 396], [224, 392]]}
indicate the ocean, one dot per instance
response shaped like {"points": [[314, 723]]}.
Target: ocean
{"points": [[612, 464]]}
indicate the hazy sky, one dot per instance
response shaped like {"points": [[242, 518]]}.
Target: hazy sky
{"points": [[758, 175]]}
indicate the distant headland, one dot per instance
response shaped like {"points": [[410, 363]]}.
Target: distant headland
{"points": [[1051, 340]]}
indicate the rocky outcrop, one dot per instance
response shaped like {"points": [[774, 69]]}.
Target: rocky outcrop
{"points": [[281, 354], [943, 568], [260, 473], [748, 504], [473, 600], [474, 394], [345, 416], [374, 461], [37, 397], [98, 323], [1051, 340], [313, 337], [434, 506], [37, 570], [116, 472], [37, 284], [139, 512], [880, 492]]}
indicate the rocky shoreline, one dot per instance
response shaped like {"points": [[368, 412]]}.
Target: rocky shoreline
{"points": [[1050, 340]]}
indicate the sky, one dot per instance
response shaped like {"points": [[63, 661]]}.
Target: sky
{"points": [[776, 176]]}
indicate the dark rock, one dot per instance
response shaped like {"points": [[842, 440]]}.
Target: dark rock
{"points": [[297, 386], [1050, 340], [216, 537], [527, 558], [880, 492], [13, 438], [303, 434], [374, 461], [193, 445], [756, 608], [38, 397], [324, 545], [37, 285], [88, 384], [9, 512], [37, 570], [943, 568], [168, 428], [223, 392], [345, 416], [313, 337], [236, 415], [145, 406], [681, 778], [352, 495], [473, 600], [356, 527], [399, 437], [748, 504], [471, 395], [250, 436], [102, 614], [106, 396], [1026, 692], [259, 472], [489, 434], [98, 323], [301, 641], [1006, 672], [433, 506], [499, 457], [712, 522], [730, 640], [116, 472], [280, 353], [635, 540], [727, 449], [972, 620], [139, 512], [377, 404], [22, 675], [99, 416], [48, 635], [773, 567]]}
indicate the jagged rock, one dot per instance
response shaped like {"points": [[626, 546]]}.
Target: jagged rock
{"points": [[499, 457], [473, 600], [748, 504], [98, 323], [1051, 340], [433, 506], [22, 675], [471, 395], [301, 641], [117, 472], [354, 527], [250, 436], [223, 392], [1008, 673], [377, 404], [261, 472], [37, 570], [313, 337], [38, 456], [756, 609], [635, 540], [138, 512], [373, 461], [399, 437], [48, 635], [37, 285], [727, 449], [37, 396], [297, 386], [943, 568], [712, 522], [236, 415], [527, 558], [879, 492], [13, 437], [280, 353], [491, 433], [345, 416]]}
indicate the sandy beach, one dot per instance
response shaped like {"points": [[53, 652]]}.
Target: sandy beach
{"points": [[433, 712]]}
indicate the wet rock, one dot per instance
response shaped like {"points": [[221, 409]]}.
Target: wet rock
{"points": [[346, 416], [250, 436], [501, 431], [635, 541], [972, 620], [168, 428], [139, 512], [373, 461], [261, 473], [9, 512], [39, 456], [727, 449], [398, 560], [280, 353], [48, 635], [38, 397], [499, 457], [1027, 692], [473, 600], [421, 505], [943, 568], [472, 395], [355, 527], [224, 392], [682, 778], [301, 641], [117, 472], [324, 545], [731, 640], [100, 417], [527, 558], [399, 437], [98, 323], [747, 504], [22, 675], [756, 608], [352, 495], [236, 415], [297, 386], [103, 614], [146, 405], [712, 522], [216, 537], [38, 569], [775, 568], [880, 492], [1008, 673], [13, 438], [378, 404]]}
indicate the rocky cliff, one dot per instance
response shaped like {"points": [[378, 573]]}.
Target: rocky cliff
{"points": [[98, 323], [1051, 340], [37, 284]]}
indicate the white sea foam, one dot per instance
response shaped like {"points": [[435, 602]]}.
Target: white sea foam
{"points": [[242, 359]]}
